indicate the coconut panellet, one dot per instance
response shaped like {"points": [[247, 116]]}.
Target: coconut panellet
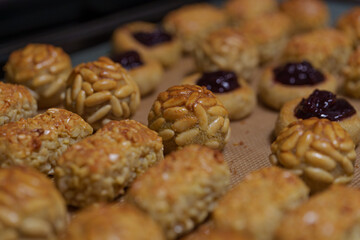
{"points": [[43, 68], [188, 114], [318, 150], [99, 168], [30, 205], [39, 141], [16, 102], [101, 91]]}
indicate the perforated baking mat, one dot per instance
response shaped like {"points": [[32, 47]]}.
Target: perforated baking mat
{"points": [[249, 145]]}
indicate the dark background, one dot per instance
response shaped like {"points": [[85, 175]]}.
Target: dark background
{"points": [[75, 24]]}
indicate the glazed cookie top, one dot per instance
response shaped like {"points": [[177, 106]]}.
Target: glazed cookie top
{"points": [[324, 41], [24, 64], [267, 27], [193, 18], [219, 81], [248, 9], [324, 104], [298, 73]]}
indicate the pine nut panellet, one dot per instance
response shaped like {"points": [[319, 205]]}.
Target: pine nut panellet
{"points": [[101, 91]]}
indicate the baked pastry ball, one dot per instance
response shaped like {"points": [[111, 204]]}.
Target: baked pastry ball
{"points": [[306, 15], [211, 233], [100, 167], [352, 75], [258, 203], [39, 141], [330, 215], [191, 23], [120, 221], [269, 33], [41, 67], [236, 95], [101, 91], [318, 150], [16, 102], [321, 104], [149, 40], [326, 49], [227, 49], [188, 114], [147, 74], [180, 191], [31, 207], [240, 11], [350, 25], [284, 83]]}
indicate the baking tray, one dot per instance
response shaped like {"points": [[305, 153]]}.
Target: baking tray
{"points": [[249, 145]]}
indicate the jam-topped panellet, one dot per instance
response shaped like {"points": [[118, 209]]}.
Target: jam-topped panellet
{"points": [[152, 38], [219, 81], [301, 73], [129, 59], [324, 104]]}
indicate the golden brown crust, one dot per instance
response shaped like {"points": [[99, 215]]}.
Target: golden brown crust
{"points": [[269, 33], [188, 114], [327, 49], [181, 190], [352, 75], [123, 222], [275, 94], [306, 15], [42, 68], [318, 150], [240, 102], [16, 102], [31, 207], [258, 203], [147, 76], [227, 49], [101, 91], [40, 140], [191, 23], [287, 116], [331, 215], [240, 11], [167, 53], [349, 23], [98, 168]]}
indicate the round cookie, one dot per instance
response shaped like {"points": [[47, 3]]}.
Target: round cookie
{"points": [[318, 150], [269, 33], [306, 15], [236, 95], [326, 49], [227, 49], [240, 11], [147, 74], [188, 114], [191, 23], [16, 102], [101, 91], [43, 68], [284, 83], [350, 25], [31, 207], [149, 40], [352, 75], [117, 221], [321, 104]]}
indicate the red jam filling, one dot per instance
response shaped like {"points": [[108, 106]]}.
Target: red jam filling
{"points": [[129, 59], [152, 38], [324, 104], [219, 81], [301, 73]]}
